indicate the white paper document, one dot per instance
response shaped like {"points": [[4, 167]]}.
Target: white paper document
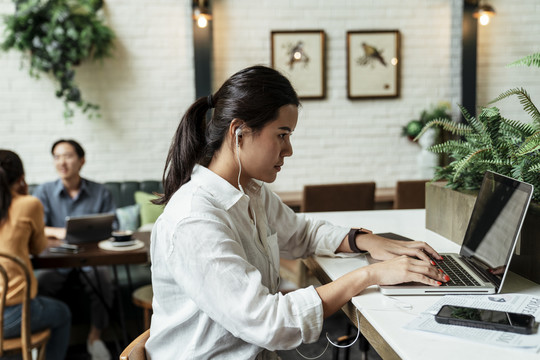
{"points": [[524, 304]]}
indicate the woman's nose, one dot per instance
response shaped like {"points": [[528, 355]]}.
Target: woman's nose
{"points": [[287, 150]]}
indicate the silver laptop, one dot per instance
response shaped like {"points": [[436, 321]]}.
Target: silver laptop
{"points": [[88, 228], [488, 244]]}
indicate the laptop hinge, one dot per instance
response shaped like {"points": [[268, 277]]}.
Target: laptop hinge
{"points": [[472, 264]]}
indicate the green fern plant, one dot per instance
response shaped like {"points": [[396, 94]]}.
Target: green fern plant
{"points": [[492, 142]]}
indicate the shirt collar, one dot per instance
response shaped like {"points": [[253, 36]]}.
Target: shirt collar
{"points": [[225, 193], [59, 187]]}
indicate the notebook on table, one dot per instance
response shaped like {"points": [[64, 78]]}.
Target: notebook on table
{"points": [[488, 244], [88, 228]]}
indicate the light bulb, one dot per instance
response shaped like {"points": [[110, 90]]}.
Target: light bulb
{"points": [[484, 19], [202, 22]]}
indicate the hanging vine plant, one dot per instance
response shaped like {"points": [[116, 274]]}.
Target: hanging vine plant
{"points": [[56, 36]]}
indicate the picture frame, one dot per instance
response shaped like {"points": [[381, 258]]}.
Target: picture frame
{"points": [[300, 56], [373, 64]]}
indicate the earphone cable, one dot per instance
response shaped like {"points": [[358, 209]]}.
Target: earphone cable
{"points": [[239, 162], [336, 345]]}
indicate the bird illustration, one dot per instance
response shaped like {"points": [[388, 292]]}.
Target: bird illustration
{"points": [[371, 54], [297, 54]]}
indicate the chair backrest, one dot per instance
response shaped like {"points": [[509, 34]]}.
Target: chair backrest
{"points": [[136, 350], [410, 194], [25, 317], [122, 192], [338, 197]]}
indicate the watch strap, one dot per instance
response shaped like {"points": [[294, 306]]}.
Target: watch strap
{"points": [[352, 239]]}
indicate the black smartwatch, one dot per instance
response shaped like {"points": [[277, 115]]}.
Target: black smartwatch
{"points": [[352, 239]]}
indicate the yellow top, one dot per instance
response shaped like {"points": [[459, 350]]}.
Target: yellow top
{"points": [[22, 234]]}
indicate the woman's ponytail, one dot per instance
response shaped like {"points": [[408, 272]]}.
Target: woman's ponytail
{"points": [[187, 149]]}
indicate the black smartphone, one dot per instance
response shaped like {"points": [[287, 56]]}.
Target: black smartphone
{"points": [[486, 319]]}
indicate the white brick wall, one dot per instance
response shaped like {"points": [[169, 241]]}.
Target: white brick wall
{"points": [[148, 84], [339, 140], [142, 92]]}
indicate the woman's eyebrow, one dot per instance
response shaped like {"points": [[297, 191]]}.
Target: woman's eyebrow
{"points": [[286, 128]]}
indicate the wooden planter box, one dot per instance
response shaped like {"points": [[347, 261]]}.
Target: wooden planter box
{"points": [[448, 212]]}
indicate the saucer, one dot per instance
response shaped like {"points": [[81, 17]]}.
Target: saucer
{"points": [[116, 243], [120, 246]]}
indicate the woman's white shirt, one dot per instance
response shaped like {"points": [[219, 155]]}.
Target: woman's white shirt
{"points": [[215, 273]]}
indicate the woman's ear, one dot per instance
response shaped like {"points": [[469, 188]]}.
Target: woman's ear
{"points": [[235, 126], [235, 131]]}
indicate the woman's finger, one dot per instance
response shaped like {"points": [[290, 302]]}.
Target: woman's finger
{"points": [[425, 248], [419, 254], [428, 249], [416, 277], [429, 271]]}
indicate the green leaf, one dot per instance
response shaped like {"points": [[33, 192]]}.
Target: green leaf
{"points": [[532, 59], [531, 144], [446, 124], [525, 101]]}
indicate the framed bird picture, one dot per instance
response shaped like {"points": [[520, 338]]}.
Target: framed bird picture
{"points": [[373, 64], [300, 56]]}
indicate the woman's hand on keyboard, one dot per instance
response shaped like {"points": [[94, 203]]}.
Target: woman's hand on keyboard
{"points": [[381, 248], [404, 269]]}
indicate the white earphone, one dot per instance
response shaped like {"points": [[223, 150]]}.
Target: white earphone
{"points": [[238, 133]]}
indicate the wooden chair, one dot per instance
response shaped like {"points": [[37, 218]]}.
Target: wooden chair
{"points": [[27, 341], [142, 297], [136, 350], [338, 197], [410, 194]]}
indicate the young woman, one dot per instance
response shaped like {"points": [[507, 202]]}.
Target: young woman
{"points": [[22, 232], [215, 249]]}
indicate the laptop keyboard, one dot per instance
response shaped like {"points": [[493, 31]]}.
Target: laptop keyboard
{"points": [[458, 275]]}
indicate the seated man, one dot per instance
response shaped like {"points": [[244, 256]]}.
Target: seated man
{"points": [[71, 195]]}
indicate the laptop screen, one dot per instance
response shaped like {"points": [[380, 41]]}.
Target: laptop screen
{"points": [[495, 224], [89, 228]]}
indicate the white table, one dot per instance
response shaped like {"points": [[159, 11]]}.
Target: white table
{"points": [[382, 318]]}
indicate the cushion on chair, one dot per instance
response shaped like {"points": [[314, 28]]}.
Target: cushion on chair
{"points": [[149, 212], [122, 192]]}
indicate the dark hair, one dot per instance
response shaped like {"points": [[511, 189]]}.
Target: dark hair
{"points": [[78, 148], [253, 95], [11, 169]]}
